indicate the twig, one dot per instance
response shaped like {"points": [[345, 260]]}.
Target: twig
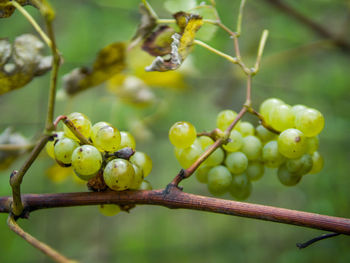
{"points": [[262, 121], [239, 19], [260, 50], [15, 147], [323, 32], [178, 199], [57, 257], [316, 239], [75, 131]]}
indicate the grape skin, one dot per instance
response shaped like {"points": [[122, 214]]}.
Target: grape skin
{"points": [[252, 147], [225, 118], [182, 134], [63, 151], [138, 177], [271, 156], [50, 144], [281, 117], [245, 128], [236, 162], [96, 127], [264, 134], [145, 185], [127, 140], [241, 187], [310, 122], [202, 174], [109, 209], [287, 178], [81, 122], [118, 174], [86, 161], [255, 170], [318, 163], [143, 161], [107, 139], [292, 143], [267, 106], [219, 179], [235, 143]]}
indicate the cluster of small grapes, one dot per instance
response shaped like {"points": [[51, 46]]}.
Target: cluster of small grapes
{"points": [[110, 153], [232, 167]]}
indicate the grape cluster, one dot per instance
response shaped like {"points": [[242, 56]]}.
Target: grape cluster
{"points": [[111, 154], [292, 148]]}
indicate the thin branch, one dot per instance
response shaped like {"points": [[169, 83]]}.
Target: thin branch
{"points": [[215, 51], [262, 121], [239, 19], [75, 131], [32, 21], [17, 176], [260, 50], [15, 147], [57, 257], [178, 199], [323, 32], [316, 239]]}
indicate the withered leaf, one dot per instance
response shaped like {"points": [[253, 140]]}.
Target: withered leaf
{"points": [[109, 61], [20, 63], [7, 9], [182, 43], [158, 42], [147, 24]]}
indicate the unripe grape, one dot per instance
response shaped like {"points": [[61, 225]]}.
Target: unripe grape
{"points": [[145, 185], [86, 161], [235, 143], [215, 158], [241, 187], [204, 141], [255, 170], [81, 122], [96, 127], [50, 144], [287, 178], [202, 174], [225, 118], [127, 140], [143, 161], [252, 147], [292, 143], [236, 162], [219, 179], [281, 117], [107, 138], [138, 177], [271, 156], [267, 106], [109, 209], [264, 134], [318, 163], [245, 128], [63, 151], [182, 134], [186, 157], [297, 108], [312, 144], [118, 174], [310, 122]]}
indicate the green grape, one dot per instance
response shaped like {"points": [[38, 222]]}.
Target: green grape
{"points": [[300, 166], [225, 118], [118, 174], [202, 174], [296, 108], [241, 187], [127, 140], [312, 144], [109, 210], [292, 143], [264, 134], [252, 147], [236, 162], [63, 151], [318, 163], [287, 178], [281, 117], [81, 122], [107, 138], [86, 161], [271, 156], [219, 179], [96, 127], [50, 144], [215, 158], [186, 157], [204, 141], [182, 134], [267, 106], [235, 143], [145, 185], [255, 170], [143, 161], [310, 122], [245, 128], [138, 177]]}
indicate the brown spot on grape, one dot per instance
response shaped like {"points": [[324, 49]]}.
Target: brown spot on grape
{"points": [[297, 139]]}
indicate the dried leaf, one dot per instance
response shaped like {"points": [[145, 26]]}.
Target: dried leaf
{"points": [[158, 42], [7, 9], [8, 136], [182, 43], [22, 62], [147, 24], [109, 61]]}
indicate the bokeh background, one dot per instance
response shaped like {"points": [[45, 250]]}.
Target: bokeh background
{"points": [[298, 66]]}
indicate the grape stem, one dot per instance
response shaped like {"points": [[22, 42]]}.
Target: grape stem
{"points": [[57, 257]]}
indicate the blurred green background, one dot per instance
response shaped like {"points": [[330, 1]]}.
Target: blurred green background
{"points": [[297, 66]]}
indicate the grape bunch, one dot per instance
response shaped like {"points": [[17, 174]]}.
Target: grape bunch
{"points": [[291, 148], [110, 154]]}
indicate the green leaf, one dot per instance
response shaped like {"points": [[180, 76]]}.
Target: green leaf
{"points": [[20, 63], [179, 5], [109, 61]]}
